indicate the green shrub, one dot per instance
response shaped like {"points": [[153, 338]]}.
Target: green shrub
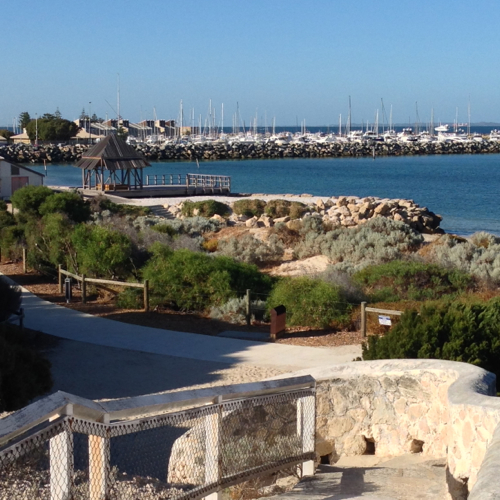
{"points": [[252, 250], [130, 298], [309, 302], [250, 208], [283, 208], [207, 208], [455, 331], [24, 372], [11, 242], [102, 252], [101, 203], [410, 280], [196, 281], [70, 204], [192, 226], [28, 199]]}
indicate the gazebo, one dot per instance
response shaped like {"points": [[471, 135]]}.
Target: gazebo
{"points": [[112, 165]]}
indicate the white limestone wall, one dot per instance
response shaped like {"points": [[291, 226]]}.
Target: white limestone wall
{"points": [[449, 406]]}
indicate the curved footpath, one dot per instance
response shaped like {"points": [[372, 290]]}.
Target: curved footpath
{"points": [[90, 351]]}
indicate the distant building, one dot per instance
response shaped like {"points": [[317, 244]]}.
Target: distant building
{"points": [[14, 177], [21, 138]]}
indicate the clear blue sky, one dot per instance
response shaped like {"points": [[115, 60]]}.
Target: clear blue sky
{"points": [[290, 59]]}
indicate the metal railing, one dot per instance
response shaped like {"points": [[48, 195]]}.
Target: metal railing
{"points": [[214, 182], [64, 447]]}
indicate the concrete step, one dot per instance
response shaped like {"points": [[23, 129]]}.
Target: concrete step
{"points": [[368, 477], [161, 211]]}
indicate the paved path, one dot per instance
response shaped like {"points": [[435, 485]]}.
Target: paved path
{"points": [[99, 358], [74, 325]]}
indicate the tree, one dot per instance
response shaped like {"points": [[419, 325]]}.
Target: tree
{"points": [[51, 128], [24, 119], [28, 199], [6, 133], [57, 114]]}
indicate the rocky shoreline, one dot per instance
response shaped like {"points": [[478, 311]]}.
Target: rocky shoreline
{"points": [[341, 211], [220, 151]]}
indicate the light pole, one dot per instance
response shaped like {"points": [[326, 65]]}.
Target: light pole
{"points": [[36, 130]]}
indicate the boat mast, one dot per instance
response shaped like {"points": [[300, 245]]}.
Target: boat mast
{"points": [[468, 118]]}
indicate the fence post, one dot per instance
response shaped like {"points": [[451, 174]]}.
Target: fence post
{"points": [[363, 319], [61, 463], [306, 425], [84, 289], [248, 307], [60, 278], [99, 455], [212, 447], [24, 260], [146, 295]]}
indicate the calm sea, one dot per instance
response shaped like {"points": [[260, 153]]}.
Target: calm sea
{"points": [[464, 189]]}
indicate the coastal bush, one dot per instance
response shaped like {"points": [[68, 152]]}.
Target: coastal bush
{"points": [[24, 372], [250, 208], [287, 236], [101, 203], [310, 302], [252, 250], [6, 218], [70, 204], [234, 310], [12, 241], [196, 281], [28, 200], [479, 256], [283, 208], [49, 242], [207, 208], [377, 241], [130, 298], [101, 252], [193, 226], [456, 331], [351, 291], [410, 280]]}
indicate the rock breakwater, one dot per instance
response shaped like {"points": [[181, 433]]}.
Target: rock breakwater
{"points": [[342, 211], [264, 150]]}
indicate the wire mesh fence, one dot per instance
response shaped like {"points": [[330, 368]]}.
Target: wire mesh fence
{"points": [[182, 455]]}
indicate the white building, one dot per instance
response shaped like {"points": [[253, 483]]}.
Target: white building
{"points": [[14, 176]]}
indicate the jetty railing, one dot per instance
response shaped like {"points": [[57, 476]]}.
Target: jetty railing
{"points": [[222, 182], [181, 445]]}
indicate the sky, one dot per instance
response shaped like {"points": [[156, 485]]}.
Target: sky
{"points": [[292, 61]]}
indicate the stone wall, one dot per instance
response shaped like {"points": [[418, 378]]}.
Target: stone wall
{"points": [[438, 408]]}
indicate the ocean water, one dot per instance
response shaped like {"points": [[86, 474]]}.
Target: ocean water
{"points": [[463, 189]]}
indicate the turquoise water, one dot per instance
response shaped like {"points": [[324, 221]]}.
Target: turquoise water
{"points": [[461, 188]]}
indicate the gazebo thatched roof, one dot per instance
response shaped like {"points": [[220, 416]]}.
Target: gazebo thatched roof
{"points": [[113, 154]]}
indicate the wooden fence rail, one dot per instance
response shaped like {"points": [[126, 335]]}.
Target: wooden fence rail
{"points": [[84, 280], [365, 309]]}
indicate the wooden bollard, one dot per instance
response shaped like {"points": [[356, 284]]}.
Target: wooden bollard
{"points": [[146, 295], [84, 289]]}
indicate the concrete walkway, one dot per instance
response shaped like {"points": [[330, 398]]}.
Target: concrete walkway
{"points": [[74, 325]]}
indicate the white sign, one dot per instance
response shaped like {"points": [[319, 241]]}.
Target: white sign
{"points": [[384, 320]]}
